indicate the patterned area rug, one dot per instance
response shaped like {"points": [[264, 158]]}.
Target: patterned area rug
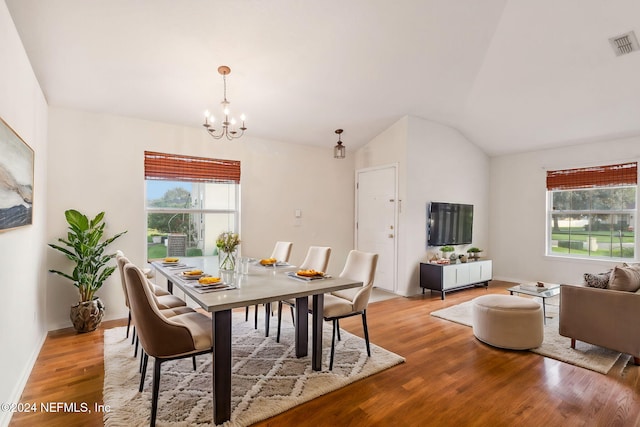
{"points": [[554, 345], [267, 378]]}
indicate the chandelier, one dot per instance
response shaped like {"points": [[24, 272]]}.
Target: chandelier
{"points": [[228, 129], [339, 151]]}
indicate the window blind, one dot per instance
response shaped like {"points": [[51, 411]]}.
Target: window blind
{"points": [[597, 176], [177, 167]]}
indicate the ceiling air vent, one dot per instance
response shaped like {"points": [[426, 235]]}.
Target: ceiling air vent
{"points": [[624, 43]]}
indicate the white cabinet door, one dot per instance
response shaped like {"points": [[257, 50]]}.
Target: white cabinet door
{"points": [[487, 271], [475, 272], [449, 275]]}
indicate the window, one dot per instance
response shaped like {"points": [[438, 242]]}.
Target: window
{"points": [[189, 202], [592, 212]]}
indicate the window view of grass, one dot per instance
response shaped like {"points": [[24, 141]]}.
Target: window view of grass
{"points": [[594, 222]]}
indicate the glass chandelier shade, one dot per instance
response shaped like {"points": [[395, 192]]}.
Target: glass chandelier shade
{"points": [[339, 151]]}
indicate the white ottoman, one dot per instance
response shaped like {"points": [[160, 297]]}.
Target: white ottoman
{"points": [[508, 321]]}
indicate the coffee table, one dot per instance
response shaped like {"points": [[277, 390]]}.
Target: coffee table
{"points": [[552, 291]]}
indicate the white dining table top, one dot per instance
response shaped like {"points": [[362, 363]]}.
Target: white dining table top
{"points": [[261, 285]]}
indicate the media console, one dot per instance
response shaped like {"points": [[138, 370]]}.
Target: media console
{"points": [[444, 278]]}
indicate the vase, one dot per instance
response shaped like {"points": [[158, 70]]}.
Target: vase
{"points": [[227, 260], [86, 316]]}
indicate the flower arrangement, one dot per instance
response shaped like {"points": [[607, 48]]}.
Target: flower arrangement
{"points": [[227, 243]]}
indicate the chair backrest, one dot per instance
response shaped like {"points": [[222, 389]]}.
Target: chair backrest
{"points": [[121, 261], [159, 336], [282, 251], [361, 266], [317, 258]]}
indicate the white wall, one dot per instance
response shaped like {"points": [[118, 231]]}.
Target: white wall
{"points": [[435, 163], [96, 163], [22, 267], [518, 214]]}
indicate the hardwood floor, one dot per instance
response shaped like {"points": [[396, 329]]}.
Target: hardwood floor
{"points": [[449, 379]]}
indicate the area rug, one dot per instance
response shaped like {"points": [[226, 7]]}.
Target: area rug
{"points": [[267, 378], [554, 345]]}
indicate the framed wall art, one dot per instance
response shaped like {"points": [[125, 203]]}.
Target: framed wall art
{"points": [[16, 179]]}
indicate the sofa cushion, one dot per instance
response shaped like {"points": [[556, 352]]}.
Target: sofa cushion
{"points": [[625, 279], [598, 280]]}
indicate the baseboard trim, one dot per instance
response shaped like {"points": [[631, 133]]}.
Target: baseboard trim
{"points": [[16, 393]]}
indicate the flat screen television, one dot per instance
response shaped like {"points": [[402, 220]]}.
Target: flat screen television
{"points": [[449, 224]]}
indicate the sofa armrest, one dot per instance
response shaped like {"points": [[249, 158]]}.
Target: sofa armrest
{"points": [[602, 317]]}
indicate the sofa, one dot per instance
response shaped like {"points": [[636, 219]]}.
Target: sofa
{"points": [[604, 311]]}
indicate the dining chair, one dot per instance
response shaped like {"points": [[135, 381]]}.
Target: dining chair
{"points": [[170, 305], [317, 259], [181, 336], [282, 253], [360, 266]]}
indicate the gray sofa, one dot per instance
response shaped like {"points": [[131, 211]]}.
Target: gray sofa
{"points": [[606, 317]]}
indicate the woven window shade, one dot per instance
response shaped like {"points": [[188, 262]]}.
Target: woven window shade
{"points": [[598, 176], [176, 167]]}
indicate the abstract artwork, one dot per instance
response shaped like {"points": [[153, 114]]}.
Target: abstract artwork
{"points": [[16, 179]]}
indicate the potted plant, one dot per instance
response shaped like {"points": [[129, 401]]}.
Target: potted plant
{"points": [[85, 247], [446, 250], [474, 252]]}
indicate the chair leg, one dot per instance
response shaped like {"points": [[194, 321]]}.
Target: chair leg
{"points": [[573, 343], [135, 350], [143, 371], [142, 353], [333, 343], [156, 390], [128, 324], [293, 316], [338, 328], [246, 313], [133, 336], [194, 363], [279, 320], [366, 331]]}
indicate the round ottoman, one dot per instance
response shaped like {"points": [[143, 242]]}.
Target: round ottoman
{"points": [[508, 321]]}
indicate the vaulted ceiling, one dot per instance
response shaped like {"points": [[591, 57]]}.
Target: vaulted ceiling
{"points": [[509, 75]]}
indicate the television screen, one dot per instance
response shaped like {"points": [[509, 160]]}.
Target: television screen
{"points": [[449, 224]]}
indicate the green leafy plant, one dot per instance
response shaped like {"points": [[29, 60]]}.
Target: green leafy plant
{"points": [[446, 249], [85, 248], [474, 250]]}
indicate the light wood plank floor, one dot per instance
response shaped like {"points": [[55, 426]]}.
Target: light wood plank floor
{"points": [[449, 379]]}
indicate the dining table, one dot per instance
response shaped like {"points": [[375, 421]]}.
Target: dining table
{"points": [[261, 285]]}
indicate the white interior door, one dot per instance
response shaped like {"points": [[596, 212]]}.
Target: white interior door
{"points": [[376, 220]]}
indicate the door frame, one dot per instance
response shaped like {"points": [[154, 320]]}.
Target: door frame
{"points": [[396, 210]]}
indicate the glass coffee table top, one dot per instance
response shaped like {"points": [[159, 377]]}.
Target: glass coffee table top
{"points": [[551, 290]]}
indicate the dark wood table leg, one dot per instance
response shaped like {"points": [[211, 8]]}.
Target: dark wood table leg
{"points": [[221, 323], [170, 286], [316, 346], [302, 326]]}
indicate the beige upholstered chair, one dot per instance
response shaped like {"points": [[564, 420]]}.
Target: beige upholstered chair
{"points": [[178, 337], [360, 266], [317, 259], [281, 252]]}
